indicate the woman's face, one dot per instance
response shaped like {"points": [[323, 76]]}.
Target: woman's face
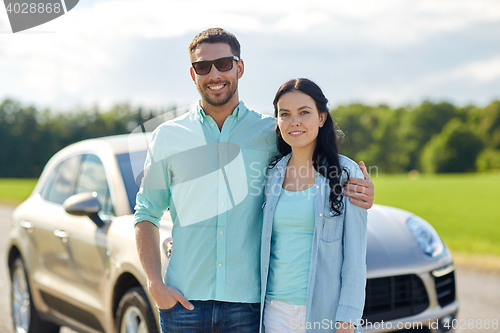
{"points": [[299, 120]]}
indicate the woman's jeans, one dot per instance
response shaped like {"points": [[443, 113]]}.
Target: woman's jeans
{"points": [[211, 317]]}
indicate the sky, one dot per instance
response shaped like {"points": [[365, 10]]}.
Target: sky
{"points": [[396, 52]]}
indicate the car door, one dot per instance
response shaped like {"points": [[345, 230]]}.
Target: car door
{"points": [[45, 224], [72, 249], [86, 246]]}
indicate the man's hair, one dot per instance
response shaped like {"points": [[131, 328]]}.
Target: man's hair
{"points": [[215, 35]]}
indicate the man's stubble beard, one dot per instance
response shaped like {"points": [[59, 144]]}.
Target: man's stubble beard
{"points": [[222, 100]]}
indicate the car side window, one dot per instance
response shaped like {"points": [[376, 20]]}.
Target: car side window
{"points": [[47, 186], [60, 183], [92, 178]]}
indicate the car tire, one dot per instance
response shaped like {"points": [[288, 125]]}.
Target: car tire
{"points": [[134, 314], [25, 317]]}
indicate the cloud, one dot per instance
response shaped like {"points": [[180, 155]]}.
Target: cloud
{"points": [[483, 71], [470, 82], [105, 51], [388, 21]]}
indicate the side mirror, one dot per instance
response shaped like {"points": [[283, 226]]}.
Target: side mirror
{"points": [[84, 204]]}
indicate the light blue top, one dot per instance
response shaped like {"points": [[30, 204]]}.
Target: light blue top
{"points": [[337, 270], [212, 181], [293, 229]]}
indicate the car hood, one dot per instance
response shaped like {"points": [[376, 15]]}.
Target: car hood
{"points": [[391, 248]]}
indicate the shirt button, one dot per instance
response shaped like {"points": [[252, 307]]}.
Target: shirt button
{"points": [[222, 175], [320, 214], [213, 125], [221, 148], [222, 204], [221, 233], [220, 265]]}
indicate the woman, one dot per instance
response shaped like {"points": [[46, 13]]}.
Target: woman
{"points": [[313, 269]]}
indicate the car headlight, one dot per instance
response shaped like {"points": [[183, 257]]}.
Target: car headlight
{"points": [[426, 236]]}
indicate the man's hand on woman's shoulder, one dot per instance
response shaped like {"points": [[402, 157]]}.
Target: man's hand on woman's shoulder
{"points": [[361, 189]]}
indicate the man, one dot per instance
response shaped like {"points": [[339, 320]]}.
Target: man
{"points": [[208, 168]]}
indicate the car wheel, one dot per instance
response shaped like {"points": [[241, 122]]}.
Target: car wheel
{"points": [[134, 314], [24, 315]]}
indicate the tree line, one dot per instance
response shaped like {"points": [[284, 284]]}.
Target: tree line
{"points": [[29, 137], [430, 137]]}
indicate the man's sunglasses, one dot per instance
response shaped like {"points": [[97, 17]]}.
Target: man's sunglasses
{"points": [[222, 64]]}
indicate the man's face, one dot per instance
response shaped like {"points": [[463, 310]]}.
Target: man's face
{"points": [[216, 88]]}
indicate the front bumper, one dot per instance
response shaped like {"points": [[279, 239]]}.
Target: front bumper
{"points": [[433, 319]]}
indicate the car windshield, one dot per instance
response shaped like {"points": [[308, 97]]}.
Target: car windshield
{"points": [[129, 162]]}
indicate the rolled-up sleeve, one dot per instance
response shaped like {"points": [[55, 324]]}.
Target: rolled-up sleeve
{"points": [[153, 197], [352, 292]]}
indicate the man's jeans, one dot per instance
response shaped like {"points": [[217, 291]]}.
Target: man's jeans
{"points": [[211, 317]]}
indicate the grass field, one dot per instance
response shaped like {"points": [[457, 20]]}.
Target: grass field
{"points": [[14, 191], [463, 208]]}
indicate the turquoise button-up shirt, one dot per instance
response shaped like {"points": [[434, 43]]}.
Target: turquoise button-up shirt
{"points": [[212, 181]]}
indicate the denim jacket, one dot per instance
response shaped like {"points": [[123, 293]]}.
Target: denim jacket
{"points": [[337, 272]]}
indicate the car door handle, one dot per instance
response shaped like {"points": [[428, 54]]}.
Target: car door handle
{"points": [[27, 225], [61, 234]]}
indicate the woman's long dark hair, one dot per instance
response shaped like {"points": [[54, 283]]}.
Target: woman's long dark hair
{"points": [[326, 154]]}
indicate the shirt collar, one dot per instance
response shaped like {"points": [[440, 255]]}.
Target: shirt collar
{"points": [[281, 165], [238, 112]]}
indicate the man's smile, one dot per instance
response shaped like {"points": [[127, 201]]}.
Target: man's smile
{"points": [[216, 88]]}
